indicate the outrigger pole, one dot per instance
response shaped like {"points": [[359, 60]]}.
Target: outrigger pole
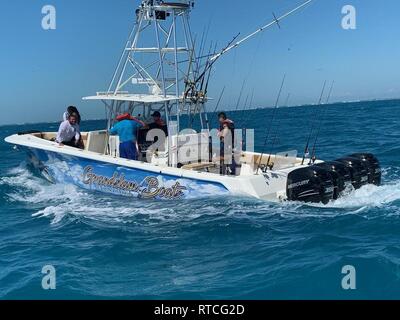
{"points": [[233, 44], [276, 21]]}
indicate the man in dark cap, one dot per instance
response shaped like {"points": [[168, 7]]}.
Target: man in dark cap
{"points": [[158, 123]]}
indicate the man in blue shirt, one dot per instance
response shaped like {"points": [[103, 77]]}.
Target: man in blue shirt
{"points": [[127, 130]]}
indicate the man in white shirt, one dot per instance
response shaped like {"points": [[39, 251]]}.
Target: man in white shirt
{"points": [[69, 133]]}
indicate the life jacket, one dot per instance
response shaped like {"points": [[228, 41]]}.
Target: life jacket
{"points": [[127, 116], [229, 123], [160, 123], [231, 127]]}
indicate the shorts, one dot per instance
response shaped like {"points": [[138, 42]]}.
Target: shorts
{"points": [[127, 150]]}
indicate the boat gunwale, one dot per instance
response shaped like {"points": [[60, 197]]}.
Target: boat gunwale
{"points": [[50, 146]]}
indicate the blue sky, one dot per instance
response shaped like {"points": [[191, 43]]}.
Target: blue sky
{"points": [[44, 71]]}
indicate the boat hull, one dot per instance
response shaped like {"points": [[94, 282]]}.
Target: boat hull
{"points": [[98, 172], [117, 179]]}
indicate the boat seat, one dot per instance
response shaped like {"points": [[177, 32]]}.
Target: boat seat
{"points": [[45, 135], [199, 166], [95, 141]]}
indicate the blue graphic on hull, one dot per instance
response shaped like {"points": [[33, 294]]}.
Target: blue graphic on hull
{"points": [[119, 180]]}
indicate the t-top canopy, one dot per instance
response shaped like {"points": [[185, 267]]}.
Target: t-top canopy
{"points": [[139, 98]]}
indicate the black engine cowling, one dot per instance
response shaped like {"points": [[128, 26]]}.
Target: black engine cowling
{"points": [[341, 176], [358, 169], [374, 168], [325, 181], [310, 184]]}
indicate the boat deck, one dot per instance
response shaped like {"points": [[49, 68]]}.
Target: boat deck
{"points": [[96, 141]]}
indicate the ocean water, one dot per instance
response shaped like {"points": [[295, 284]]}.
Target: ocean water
{"points": [[219, 248]]}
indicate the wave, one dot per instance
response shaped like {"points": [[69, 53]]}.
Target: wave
{"points": [[57, 201], [369, 196]]}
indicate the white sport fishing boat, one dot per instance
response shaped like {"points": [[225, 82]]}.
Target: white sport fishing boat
{"points": [[160, 70]]}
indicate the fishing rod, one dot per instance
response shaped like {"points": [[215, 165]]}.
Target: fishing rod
{"points": [[240, 95], [210, 63], [272, 121], [218, 103], [202, 95], [199, 58], [188, 87], [210, 144], [204, 40], [287, 100], [244, 134], [209, 75], [276, 134], [245, 105], [199, 94], [188, 83], [206, 66], [205, 94], [312, 159], [306, 149], [244, 115], [202, 43]]}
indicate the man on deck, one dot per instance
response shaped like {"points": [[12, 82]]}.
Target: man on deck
{"points": [[158, 123], [69, 133], [227, 136], [126, 130]]}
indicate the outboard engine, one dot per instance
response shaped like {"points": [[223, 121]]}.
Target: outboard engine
{"points": [[374, 168], [310, 184], [341, 176], [358, 170]]}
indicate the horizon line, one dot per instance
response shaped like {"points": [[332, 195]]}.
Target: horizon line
{"points": [[257, 108]]}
